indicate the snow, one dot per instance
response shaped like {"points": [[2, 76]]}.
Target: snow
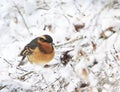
{"points": [[94, 48]]}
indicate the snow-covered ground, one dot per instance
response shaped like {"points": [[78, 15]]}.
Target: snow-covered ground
{"points": [[87, 44]]}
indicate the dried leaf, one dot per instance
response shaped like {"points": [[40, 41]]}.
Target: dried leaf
{"points": [[95, 62], [102, 35], [22, 78], [76, 90], [65, 57], [88, 58], [46, 66], [84, 73], [117, 56], [94, 46], [110, 29], [82, 53], [66, 85], [83, 85], [67, 38], [53, 87], [79, 26]]}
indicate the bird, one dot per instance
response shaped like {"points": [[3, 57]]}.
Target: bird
{"points": [[39, 51]]}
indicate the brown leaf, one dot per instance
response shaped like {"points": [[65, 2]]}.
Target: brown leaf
{"points": [[22, 78], [76, 90], [46, 66], [102, 35], [117, 56], [67, 38], [83, 85], [82, 53], [84, 73], [79, 26], [65, 57], [88, 58], [110, 29], [94, 46], [95, 62]]}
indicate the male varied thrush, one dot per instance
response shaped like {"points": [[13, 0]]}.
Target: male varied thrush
{"points": [[39, 51]]}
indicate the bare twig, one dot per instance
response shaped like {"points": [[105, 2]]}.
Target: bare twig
{"points": [[6, 61], [19, 68], [98, 14], [69, 42], [114, 48], [22, 17], [1, 87], [23, 76], [51, 65], [53, 83], [55, 80]]}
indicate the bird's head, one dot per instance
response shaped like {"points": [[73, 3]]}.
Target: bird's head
{"points": [[46, 38]]}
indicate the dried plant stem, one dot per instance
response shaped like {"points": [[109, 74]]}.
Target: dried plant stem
{"points": [[23, 19], [1, 87], [69, 42], [23, 76], [6, 61]]}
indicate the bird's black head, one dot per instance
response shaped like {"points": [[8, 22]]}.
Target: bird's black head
{"points": [[46, 38]]}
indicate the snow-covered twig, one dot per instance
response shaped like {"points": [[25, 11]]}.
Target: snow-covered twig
{"points": [[2, 87], [6, 61], [69, 42], [23, 19], [23, 76]]}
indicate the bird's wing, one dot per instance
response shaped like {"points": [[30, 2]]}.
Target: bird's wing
{"points": [[28, 49]]}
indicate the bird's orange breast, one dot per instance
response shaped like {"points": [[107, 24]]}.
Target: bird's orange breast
{"points": [[38, 57]]}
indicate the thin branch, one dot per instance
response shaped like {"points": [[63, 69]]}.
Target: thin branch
{"points": [[69, 42], [19, 68], [1, 87], [23, 76], [96, 16], [48, 85], [6, 61], [22, 17], [65, 15], [115, 48]]}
